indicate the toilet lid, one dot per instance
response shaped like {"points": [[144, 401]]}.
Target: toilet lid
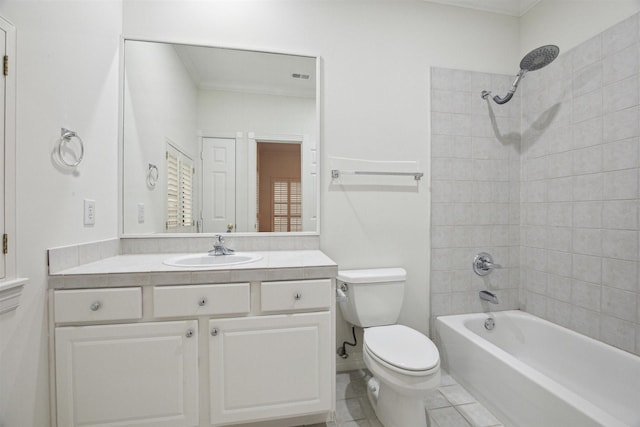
{"points": [[402, 347]]}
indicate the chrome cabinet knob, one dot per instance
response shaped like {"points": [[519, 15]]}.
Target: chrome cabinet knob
{"points": [[189, 333], [297, 296], [214, 332], [96, 306], [202, 302]]}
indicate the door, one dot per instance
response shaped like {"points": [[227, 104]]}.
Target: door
{"points": [[141, 374], [269, 367], [218, 184]]}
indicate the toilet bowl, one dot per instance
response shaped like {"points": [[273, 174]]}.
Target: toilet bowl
{"points": [[405, 364]]}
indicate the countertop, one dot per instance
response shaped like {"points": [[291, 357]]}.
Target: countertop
{"points": [[148, 269]]}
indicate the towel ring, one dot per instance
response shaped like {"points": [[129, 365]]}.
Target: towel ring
{"points": [[152, 175], [65, 138]]}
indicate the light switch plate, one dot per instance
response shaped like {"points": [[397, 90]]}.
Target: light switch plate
{"points": [[89, 212]]}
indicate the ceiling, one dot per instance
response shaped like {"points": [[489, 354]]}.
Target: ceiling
{"points": [[505, 7], [249, 71]]}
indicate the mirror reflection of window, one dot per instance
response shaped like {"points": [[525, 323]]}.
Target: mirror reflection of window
{"points": [[279, 187], [180, 172]]}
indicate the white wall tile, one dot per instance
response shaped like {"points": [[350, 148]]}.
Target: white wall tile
{"points": [[587, 187], [621, 35], [587, 268], [587, 79], [587, 133], [620, 65], [620, 214], [560, 189], [621, 124], [587, 241], [620, 154], [619, 303], [621, 184], [587, 214], [620, 95], [587, 52], [587, 106], [560, 214], [620, 274], [620, 244]]}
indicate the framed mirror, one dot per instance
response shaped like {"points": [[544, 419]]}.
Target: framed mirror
{"points": [[218, 140]]}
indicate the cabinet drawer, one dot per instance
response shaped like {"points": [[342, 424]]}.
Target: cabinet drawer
{"points": [[295, 295], [84, 305], [200, 300]]}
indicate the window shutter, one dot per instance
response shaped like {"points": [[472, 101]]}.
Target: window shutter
{"points": [[173, 191], [287, 205], [179, 190]]}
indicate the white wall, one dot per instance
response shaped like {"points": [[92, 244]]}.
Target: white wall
{"points": [[160, 105], [567, 23], [67, 65]]}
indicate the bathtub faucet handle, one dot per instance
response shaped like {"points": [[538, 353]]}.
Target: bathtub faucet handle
{"points": [[483, 264]]}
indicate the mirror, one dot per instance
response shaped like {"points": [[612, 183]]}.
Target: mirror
{"points": [[218, 140]]}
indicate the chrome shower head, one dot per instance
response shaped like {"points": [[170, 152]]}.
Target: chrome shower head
{"points": [[532, 61]]}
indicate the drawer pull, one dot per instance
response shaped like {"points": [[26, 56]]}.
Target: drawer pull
{"points": [[202, 302], [96, 306], [189, 333], [297, 296], [214, 332]]}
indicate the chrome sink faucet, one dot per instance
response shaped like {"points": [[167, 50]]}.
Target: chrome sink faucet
{"points": [[219, 248]]}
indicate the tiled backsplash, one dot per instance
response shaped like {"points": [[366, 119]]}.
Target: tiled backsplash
{"points": [[576, 177], [65, 257]]}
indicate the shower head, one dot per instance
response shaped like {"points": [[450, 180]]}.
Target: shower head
{"points": [[532, 61], [540, 57]]}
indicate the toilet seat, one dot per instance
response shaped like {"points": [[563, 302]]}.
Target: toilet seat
{"points": [[402, 349]]}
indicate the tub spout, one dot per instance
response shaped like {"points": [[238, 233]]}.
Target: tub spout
{"points": [[489, 297]]}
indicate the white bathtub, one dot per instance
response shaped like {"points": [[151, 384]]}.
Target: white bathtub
{"points": [[530, 372]]}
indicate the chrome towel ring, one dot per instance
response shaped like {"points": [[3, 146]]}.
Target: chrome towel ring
{"points": [[65, 138]]}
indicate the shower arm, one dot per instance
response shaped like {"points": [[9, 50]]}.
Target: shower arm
{"points": [[502, 100]]}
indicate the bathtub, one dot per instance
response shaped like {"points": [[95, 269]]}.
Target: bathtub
{"points": [[530, 372]]}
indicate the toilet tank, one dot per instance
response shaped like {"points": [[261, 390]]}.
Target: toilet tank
{"points": [[374, 296]]}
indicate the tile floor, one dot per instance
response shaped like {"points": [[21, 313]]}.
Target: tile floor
{"points": [[449, 406]]}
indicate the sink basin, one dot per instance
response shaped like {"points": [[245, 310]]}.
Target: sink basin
{"points": [[206, 260]]}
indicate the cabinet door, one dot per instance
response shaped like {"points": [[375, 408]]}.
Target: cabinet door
{"points": [[142, 374], [269, 367]]}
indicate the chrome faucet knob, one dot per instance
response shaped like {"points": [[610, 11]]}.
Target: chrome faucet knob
{"points": [[483, 264]]}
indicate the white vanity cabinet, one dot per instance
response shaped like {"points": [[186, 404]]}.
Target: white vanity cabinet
{"points": [[140, 374], [194, 355], [270, 366]]}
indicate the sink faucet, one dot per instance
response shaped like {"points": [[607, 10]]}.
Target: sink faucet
{"points": [[489, 297], [219, 248]]}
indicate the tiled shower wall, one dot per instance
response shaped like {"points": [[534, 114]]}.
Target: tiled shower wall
{"points": [[580, 207], [576, 176], [475, 177]]}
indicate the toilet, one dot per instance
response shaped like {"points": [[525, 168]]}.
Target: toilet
{"points": [[405, 363]]}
